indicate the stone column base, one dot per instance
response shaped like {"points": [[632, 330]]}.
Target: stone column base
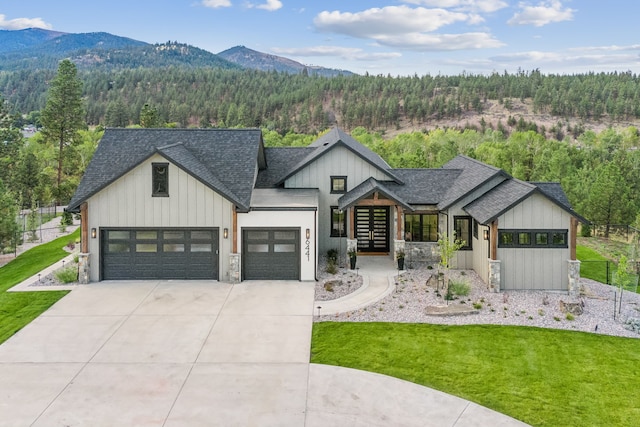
{"points": [[83, 268], [234, 268], [574, 278], [494, 275]]}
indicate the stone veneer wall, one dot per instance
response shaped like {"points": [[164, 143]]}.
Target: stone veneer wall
{"points": [[419, 253], [494, 275], [234, 268], [574, 278], [83, 268]]}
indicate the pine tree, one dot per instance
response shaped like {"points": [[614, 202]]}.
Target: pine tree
{"points": [[63, 115]]}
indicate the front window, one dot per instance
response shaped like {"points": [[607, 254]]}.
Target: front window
{"points": [[462, 229], [421, 227], [338, 184], [338, 222], [160, 179], [533, 239]]}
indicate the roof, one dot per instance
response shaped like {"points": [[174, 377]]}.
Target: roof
{"points": [[498, 200], [366, 189], [423, 186], [334, 138], [473, 174], [280, 160], [216, 157], [509, 193]]}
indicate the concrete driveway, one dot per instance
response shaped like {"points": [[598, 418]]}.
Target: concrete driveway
{"points": [[173, 353]]}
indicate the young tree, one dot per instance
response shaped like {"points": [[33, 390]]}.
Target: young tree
{"points": [[8, 214], [10, 144], [63, 114], [149, 117]]}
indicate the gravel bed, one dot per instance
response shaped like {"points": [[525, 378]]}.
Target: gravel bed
{"points": [[409, 302], [333, 286]]}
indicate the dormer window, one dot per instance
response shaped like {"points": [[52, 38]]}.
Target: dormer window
{"points": [[338, 184], [160, 179]]}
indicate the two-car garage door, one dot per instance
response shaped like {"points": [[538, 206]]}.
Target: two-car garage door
{"points": [[193, 253], [160, 253]]}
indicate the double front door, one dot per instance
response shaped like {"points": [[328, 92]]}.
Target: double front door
{"points": [[372, 228]]}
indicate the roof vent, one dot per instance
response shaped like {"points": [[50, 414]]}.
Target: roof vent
{"points": [[325, 144]]}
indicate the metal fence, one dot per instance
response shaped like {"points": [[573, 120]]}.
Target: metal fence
{"points": [[604, 272]]}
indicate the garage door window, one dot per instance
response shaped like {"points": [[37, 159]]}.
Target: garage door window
{"points": [[146, 247], [258, 248], [118, 248], [118, 235], [200, 247], [173, 247], [282, 248], [173, 235], [146, 235]]}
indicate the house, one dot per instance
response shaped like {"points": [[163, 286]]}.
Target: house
{"points": [[216, 204]]}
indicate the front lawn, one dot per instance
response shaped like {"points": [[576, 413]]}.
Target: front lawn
{"points": [[543, 377], [593, 265], [17, 309]]}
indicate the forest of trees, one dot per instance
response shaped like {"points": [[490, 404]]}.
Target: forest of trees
{"points": [[598, 170], [303, 103]]}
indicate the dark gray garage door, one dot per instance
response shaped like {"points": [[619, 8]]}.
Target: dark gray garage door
{"points": [[166, 253], [271, 253]]}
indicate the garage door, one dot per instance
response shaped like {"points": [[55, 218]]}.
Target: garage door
{"points": [[166, 253], [271, 253]]}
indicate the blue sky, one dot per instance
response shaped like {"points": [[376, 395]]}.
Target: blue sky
{"points": [[397, 37]]}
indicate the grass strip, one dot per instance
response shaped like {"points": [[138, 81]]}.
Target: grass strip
{"points": [[544, 377], [17, 309]]}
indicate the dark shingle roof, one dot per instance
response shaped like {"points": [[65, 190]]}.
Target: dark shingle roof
{"points": [[474, 174], [423, 186], [367, 188], [223, 159], [280, 160], [554, 191], [336, 137], [498, 200]]}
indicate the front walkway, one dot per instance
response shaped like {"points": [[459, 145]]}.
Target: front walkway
{"points": [[200, 353]]}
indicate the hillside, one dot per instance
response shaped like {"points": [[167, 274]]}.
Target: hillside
{"points": [[249, 58]]}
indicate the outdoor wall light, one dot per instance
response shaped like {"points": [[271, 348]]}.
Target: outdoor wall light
{"points": [[308, 234], [94, 233], [486, 234], [225, 233]]}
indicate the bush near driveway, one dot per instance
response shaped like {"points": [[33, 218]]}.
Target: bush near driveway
{"points": [[17, 309], [544, 377]]}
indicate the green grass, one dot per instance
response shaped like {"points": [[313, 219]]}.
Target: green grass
{"points": [[17, 309], [543, 377]]}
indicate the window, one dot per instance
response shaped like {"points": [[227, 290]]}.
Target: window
{"points": [[421, 227], [160, 178], [541, 239], [338, 184], [462, 229], [338, 222]]}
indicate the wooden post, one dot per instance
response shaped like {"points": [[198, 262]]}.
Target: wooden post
{"points": [[84, 228], [399, 235], [493, 241], [234, 230], [352, 223], [573, 239]]}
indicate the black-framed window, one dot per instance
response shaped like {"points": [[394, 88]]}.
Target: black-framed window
{"points": [[160, 179], [338, 222], [462, 227], [338, 184], [421, 227], [475, 229], [541, 239]]}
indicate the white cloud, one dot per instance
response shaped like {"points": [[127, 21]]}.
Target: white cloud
{"points": [[441, 42], [544, 13], [486, 6], [215, 4], [270, 5], [387, 20], [22, 23], [337, 51]]}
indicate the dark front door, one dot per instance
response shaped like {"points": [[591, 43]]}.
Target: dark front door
{"points": [[372, 228]]}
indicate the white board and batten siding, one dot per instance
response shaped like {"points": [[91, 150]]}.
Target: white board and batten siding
{"points": [[128, 203], [339, 161], [542, 269]]}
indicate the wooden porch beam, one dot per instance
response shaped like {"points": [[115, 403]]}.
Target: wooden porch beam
{"points": [[493, 241], [352, 223], [234, 230], [84, 228], [399, 211], [573, 239]]}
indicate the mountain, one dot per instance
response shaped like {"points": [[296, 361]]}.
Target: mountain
{"points": [[11, 41], [249, 58], [35, 48]]}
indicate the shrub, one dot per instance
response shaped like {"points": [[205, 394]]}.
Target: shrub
{"points": [[332, 267], [460, 288], [569, 316], [332, 255], [477, 305], [67, 275]]}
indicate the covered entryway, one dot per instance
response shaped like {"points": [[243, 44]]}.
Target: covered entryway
{"points": [[159, 253], [372, 228], [271, 254]]}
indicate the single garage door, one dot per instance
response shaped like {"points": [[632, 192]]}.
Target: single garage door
{"points": [[164, 253], [271, 253]]}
